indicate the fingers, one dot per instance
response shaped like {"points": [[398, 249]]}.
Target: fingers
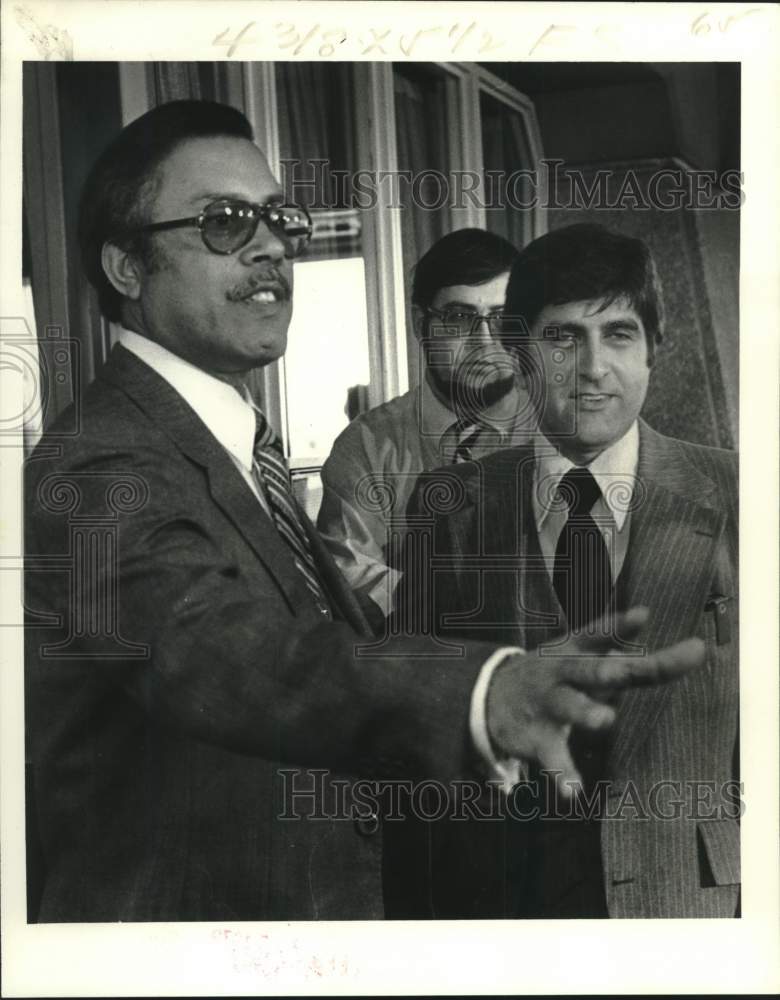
{"points": [[569, 706], [618, 672], [608, 633], [671, 663]]}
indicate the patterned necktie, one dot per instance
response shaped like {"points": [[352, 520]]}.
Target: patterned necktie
{"points": [[273, 477], [582, 577], [467, 434]]}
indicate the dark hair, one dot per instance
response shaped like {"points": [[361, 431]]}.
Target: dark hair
{"points": [[465, 257], [585, 262], [118, 191]]}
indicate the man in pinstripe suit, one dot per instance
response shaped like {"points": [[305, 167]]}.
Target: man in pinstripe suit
{"points": [[657, 834]]}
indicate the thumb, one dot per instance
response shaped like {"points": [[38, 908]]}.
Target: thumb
{"points": [[555, 756]]}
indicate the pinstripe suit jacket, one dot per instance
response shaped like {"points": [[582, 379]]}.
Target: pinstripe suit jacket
{"points": [[172, 672], [673, 749]]}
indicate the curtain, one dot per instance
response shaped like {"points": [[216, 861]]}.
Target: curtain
{"points": [[303, 129], [178, 81], [505, 148], [420, 117], [44, 212], [420, 112], [70, 112], [316, 123]]}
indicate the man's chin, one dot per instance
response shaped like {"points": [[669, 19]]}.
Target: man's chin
{"points": [[475, 393], [582, 444], [268, 349]]}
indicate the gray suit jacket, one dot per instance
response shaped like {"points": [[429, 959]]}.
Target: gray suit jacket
{"points": [[674, 747], [176, 662]]}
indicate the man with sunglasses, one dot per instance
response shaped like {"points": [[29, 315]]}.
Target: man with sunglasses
{"points": [[469, 403], [198, 671]]}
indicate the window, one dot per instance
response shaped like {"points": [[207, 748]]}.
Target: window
{"points": [[325, 371], [427, 126]]}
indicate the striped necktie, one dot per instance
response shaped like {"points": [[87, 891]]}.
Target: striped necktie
{"points": [[272, 475], [466, 434]]}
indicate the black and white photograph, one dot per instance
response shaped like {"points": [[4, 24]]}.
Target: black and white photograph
{"points": [[386, 400]]}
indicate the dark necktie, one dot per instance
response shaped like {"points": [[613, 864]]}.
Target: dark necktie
{"points": [[565, 876], [582, 577], [273, 477]]}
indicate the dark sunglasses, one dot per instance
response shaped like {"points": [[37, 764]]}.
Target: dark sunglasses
{"points": [[228, 225]]}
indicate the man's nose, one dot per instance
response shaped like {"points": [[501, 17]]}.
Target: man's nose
{"points": [[592, 361], [264, 245], [481, 330]]}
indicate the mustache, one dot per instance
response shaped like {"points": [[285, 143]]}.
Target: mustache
{"points": [[270, 278]]}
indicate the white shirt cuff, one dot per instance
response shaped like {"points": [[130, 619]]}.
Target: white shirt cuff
{"points": [[506, 772], [383, 591]]}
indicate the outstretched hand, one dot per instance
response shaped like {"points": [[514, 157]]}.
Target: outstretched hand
{"points": [[533, 701]]}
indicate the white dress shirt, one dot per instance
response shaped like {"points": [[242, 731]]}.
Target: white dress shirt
{"points": [[615, 472]]}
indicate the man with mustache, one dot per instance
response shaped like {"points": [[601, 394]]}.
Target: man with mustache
{"points": [[469, 403], [547, 544], [201, 644]]}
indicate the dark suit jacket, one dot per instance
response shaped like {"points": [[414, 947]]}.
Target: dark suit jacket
{"points": [[176, 661], [490, 581]]}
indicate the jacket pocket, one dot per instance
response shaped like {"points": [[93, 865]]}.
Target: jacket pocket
{"points": [[718, 841], [720, 610]]}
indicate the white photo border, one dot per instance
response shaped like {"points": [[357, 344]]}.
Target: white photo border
{"points": [[600, 957]]}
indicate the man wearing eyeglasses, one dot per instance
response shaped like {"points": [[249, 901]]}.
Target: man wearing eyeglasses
{"points": [[198, 671], [469, 403]]}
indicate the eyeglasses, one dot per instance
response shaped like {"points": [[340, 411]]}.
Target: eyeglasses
{"points": [[465, 322], [228, 225]]}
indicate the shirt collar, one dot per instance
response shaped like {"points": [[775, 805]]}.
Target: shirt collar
{"points": [[615, 466], [229, 417]]}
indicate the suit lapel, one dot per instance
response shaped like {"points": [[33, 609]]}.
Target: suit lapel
{"points": [[494, 528], [540, 613], [675, 529], [503, 538], [339, 594], [471, 591], [234, 497], [174, 417]]}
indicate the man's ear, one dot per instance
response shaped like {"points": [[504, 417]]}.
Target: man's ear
{"points": [[418, 321], [123, 270], [652, 347]]}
